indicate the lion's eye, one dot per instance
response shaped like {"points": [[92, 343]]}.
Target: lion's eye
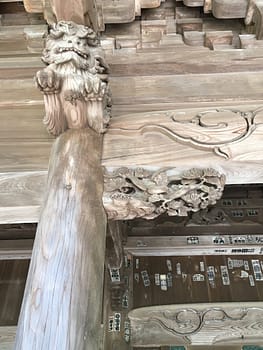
{"points": [[78, 42]]}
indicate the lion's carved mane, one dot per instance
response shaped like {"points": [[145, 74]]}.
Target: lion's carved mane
{"points": [[74, 83]]}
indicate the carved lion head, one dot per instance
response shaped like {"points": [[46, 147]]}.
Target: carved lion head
{"points": [[68, 42]]}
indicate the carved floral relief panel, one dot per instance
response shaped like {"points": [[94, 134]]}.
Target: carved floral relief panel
{"points": [[131, 193]]}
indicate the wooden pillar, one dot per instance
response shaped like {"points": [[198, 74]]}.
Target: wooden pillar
{"points": [[62, 304]]}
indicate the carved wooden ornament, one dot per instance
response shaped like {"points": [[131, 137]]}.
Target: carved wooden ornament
{"points": [[75, 87], [132, 193], [216, 324]]}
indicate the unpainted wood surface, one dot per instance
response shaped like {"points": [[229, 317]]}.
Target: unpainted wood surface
{"points": [[19, 249], [204, 324], [184, 290], [13, 275], [130, 137], [63, 296], [227, 9], [134, 142], [21, 196], [7, 337], [33, 6]]}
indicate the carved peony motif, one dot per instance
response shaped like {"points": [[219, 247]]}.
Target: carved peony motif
{"points": [[131, 193], [75, 87]]}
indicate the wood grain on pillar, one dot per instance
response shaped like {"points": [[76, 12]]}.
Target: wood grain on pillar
{"points": [[63, 296]]}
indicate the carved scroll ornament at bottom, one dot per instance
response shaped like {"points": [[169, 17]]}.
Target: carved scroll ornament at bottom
{"points": [[208, 326], [140, 193]]}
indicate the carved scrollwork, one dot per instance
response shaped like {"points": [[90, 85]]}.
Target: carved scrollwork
{"points": [[214, 325], [204, 130], [74, 84], [246, 118], [131, 193]]}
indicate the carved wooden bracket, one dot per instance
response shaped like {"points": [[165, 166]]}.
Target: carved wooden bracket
{"points": [[132, 193], [75, 86]]}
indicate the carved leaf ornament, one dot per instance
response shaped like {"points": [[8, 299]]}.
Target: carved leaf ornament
{"points": [[134, 193], [74, 83]]}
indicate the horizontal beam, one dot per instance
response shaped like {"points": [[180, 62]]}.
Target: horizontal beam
{"points": [[21, 196], [213, 137], [16, 249], [180, 246], [197, 324], [7, 337], [227, 139]]}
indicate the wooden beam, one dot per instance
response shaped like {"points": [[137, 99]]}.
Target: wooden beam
{"points": [[227, 9], [114, 251], [63, 295], [21, 196], [227, 138], [197, 324], [226, 145], [7, 337], [16, 249], [179, 245]]}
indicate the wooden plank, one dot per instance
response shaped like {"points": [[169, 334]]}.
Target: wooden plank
{"points": [[114, 246], [161, 89], [186, 88], [20, 62], [24, 155], [13, 278], [7, 337], [176, 55], [17, 231], [21, 195], [11, 93], [167, 245], [23, 124], [11, 7], [121, 12], [193, 3], [22, 214], [184, 288], [19, 249], [227, 9]]}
